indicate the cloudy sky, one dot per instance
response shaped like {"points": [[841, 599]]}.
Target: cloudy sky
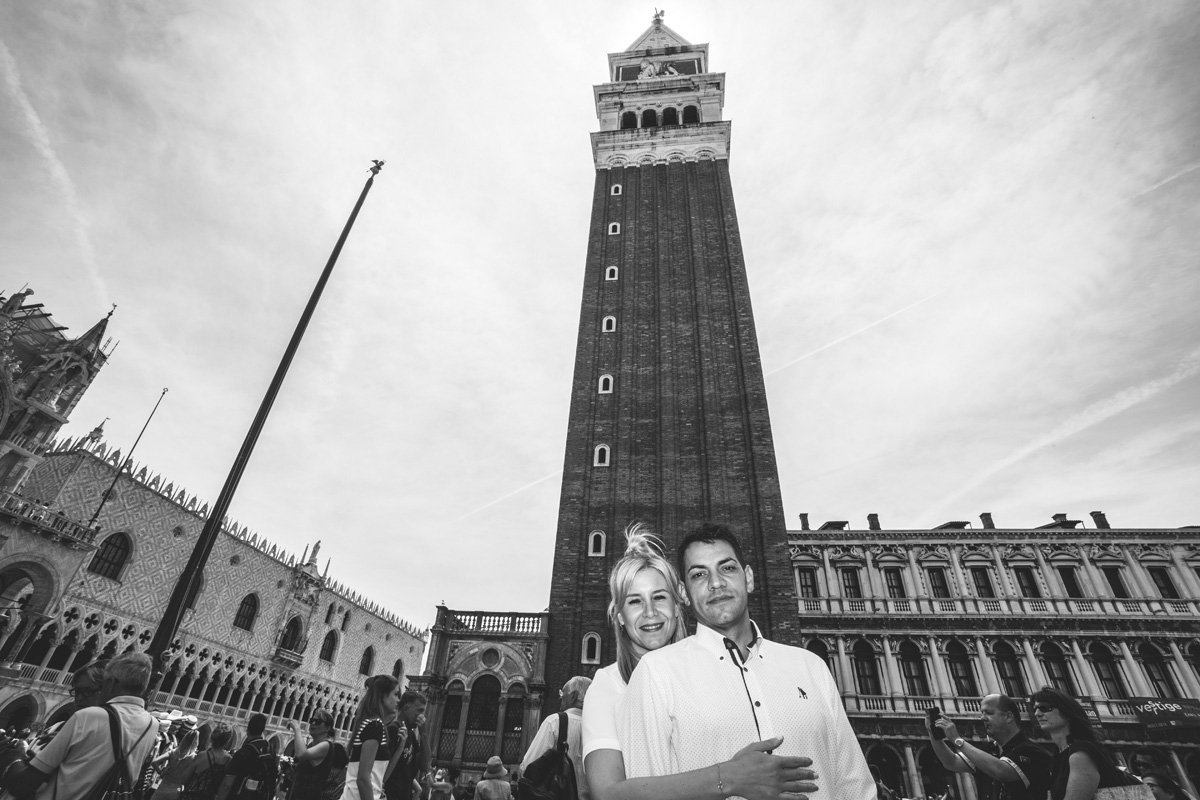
{"points": [[972, 233]]}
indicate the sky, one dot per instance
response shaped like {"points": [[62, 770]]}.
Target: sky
{"points": [[972, 233]]}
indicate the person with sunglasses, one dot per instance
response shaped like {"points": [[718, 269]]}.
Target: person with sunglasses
{"points": [[1020, 772], [316, 760], [1082, 765], [1163, 786]]}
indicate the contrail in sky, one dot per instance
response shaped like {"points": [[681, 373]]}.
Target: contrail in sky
{"points": [[1088, 417], [58, 172], [1168, 179], [542, 479], [850, 335]]}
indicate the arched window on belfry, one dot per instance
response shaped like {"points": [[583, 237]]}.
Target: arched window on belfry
{"points": [[601, 456], [110, 557], [615, 191], [670, 116], [606, 384], [691, 115], [591, 649], [610, 273], [596, 543], [608, 324], [649, 118], [628, 120]]}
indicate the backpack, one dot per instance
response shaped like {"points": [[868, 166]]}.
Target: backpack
{"points": [[204, 785], [260, 785], [335, 784], [117, 783], [550, 776]]}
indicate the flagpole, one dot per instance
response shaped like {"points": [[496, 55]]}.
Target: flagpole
{"points": [[128, 460], [189, 580]]}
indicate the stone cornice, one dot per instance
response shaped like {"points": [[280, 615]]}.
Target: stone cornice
{"points": [[649, 146]]}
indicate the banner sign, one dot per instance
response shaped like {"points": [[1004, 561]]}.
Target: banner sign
{"points": [[1158, 714]]}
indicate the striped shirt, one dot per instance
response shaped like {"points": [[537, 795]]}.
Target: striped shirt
{"points": [[692, 704]]}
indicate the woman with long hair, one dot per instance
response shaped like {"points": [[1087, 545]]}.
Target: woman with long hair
{"points": [[178, 766], [370, 747], [646, 613], [204, 773], [1082, 765], [313, 761]]}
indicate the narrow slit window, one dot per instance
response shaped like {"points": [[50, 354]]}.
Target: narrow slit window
{"points": [[602, 456], [616, 190], [596, 543], [609, 325], [591, 649], [606, 384], [614, 228], [610, 273]]}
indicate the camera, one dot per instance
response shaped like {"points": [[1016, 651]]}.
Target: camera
{"points": [[934, 713]]}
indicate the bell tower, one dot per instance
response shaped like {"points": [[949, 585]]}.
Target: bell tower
{"points": [[668, 422]]}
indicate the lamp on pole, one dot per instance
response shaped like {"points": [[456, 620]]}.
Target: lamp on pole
{"points": [[168, 627]]}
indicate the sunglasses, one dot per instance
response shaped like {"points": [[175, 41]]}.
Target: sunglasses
{"points": [[1042, 708], [85, 691]]}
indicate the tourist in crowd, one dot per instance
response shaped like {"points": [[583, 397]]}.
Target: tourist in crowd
{"points": [[1082, 765], [253, 770], [410, 756], [441, 788], [370, 746], [314, 760], [207, 770], [570, 703], [646, 613], [179, 763], [493, 784], [1163, 786]]}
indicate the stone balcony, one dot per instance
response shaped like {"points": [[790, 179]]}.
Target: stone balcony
{"points": [[23, 511]]}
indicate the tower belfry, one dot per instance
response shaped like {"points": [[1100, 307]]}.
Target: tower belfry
{"points": [[668, 422]]}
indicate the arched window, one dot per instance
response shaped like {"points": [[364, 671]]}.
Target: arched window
{"points": [[596, 543], [1108, 673], [1011, 678], [614, 228], [628, 120], [292, 633], [866, 669], [398, 670], [670, 116], [1158, 671], [691, 115], [111, 556], [606, 384], [483, 718], [610, 273], [591, 649], [329, 647], [601, 457], [329, 615], [821, 649], [962, 671], [649, 118], [608, 325], [346, 622], [368, 661], [1054, 664], [912, 667], [615, 190], [246, 613]]}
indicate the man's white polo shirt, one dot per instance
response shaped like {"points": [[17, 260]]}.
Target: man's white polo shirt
{"points": [[692, 704], [81, 753]]}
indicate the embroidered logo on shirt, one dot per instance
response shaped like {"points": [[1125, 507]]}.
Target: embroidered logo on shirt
{"points": [[803, 694]]}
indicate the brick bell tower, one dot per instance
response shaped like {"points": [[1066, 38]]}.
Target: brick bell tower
{"points": [[668, 421]]}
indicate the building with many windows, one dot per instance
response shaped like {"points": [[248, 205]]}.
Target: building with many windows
{"points": [[909, 619], [264, 630]]}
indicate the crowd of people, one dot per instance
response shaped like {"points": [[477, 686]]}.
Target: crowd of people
{"points": [[718, 714]]}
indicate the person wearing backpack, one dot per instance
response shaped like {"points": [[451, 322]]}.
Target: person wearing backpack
{"points": [[81, 757], [316, 761], [543, 750], [253, 769], [207, 770]]}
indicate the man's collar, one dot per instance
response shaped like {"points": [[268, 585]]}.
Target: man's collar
{"points": [[1015, 739], [714, 641], [574, 711], [127, 698]]}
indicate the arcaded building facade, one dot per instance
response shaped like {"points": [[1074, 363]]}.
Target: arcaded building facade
{"points": [[265, 631], [908, 619]]}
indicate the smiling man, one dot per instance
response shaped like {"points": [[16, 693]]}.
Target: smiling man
{"points": [[699, 701]]}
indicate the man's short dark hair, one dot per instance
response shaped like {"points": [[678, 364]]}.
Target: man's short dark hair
{"points": [[409, 697], [1006, 705], [709, 533], [256, 725]]}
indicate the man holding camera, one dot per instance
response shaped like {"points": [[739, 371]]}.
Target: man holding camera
{"points": [[1020, 772]]}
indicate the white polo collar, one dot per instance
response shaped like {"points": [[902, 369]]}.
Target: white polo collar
{"points": [[714, 642]]}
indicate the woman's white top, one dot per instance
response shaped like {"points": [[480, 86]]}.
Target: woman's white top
{"points": [[600, 711]]}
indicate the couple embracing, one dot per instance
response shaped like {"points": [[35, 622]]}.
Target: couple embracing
{"points": [[724, 713]]}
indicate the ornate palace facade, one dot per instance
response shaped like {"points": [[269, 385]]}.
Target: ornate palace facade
{"points": [[265, 631]]}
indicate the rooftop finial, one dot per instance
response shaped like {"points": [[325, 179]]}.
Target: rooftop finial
{"points": [[110, 312], [658, 15]]}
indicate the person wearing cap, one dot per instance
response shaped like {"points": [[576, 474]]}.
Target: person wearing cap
{"points": [[493, 785]]}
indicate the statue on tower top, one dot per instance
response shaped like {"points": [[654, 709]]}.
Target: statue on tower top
{"points": [[658, 15]]}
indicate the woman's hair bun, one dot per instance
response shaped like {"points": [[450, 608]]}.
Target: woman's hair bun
{"points": [[639, 541]]}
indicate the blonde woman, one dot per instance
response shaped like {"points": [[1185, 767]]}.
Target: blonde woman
{"points": [[370, 746], [646, 613]]}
